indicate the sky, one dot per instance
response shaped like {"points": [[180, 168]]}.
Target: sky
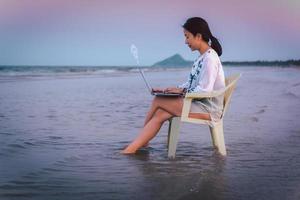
{"points": [[100, 32]]}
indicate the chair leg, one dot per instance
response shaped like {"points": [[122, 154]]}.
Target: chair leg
{"points": [[217, 136], [173, 134]]}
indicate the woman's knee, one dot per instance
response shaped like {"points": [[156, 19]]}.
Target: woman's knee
{"points": [[161, 115]]}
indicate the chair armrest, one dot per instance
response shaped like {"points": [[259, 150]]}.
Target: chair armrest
{"points": [[187, 101], [200, 95]]}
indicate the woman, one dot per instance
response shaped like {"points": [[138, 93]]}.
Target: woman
{"points": [[207, 75]]}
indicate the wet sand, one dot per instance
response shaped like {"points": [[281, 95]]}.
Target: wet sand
{"points": [[60, 138]]}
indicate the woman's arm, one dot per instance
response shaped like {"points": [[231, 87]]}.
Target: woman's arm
{"points": [[175, 90], [207, 77]]}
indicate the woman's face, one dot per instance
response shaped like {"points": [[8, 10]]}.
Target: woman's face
{"points": [[191, 40]]}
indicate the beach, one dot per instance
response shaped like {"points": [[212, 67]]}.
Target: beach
{"points": [[61, 135]]}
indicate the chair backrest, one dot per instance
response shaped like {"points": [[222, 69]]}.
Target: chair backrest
{"points": [[230, 82]]}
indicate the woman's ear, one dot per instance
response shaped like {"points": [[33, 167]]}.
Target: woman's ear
{"points": [[198, 36]]}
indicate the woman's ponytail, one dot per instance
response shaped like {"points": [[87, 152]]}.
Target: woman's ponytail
{"points": [[215, 44]]}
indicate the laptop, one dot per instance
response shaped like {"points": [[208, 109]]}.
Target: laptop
{"points": [[159, 94]]}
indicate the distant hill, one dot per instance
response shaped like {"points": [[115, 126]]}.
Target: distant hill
{"points": [[173, 61], [178, 61]]}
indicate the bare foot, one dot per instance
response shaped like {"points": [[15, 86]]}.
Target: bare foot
{"points": [[127, 152], [146, 145]]}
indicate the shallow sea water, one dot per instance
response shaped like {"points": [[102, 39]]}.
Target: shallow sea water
{"points": [[60, 138]]}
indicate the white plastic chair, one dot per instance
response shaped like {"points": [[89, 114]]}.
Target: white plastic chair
{"points": [[216, 128]]}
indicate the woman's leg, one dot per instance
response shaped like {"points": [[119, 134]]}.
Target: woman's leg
{"points": [[167, 103], [164, 102], [161, 110], [149, 131]]}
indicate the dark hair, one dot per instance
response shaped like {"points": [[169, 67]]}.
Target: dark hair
{"points": [[198, 25]]}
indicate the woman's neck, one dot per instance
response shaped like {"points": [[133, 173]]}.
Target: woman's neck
{"points": [[203, 48]]}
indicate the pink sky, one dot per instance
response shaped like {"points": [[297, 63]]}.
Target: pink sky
{"points": [[96, 32]]}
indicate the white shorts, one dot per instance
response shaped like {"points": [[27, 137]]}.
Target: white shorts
{"points": [[200, 107]]}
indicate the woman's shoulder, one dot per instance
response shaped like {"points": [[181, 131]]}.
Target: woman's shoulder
{"points": [[211, 54], [211, 57]]}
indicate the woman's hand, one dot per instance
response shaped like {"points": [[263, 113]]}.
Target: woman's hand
{"points": [[169, 90], [174, 90], [157, 90]]}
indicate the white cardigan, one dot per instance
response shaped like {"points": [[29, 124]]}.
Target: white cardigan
{"points": [[207, 75]]}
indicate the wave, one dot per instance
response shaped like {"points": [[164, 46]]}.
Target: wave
{"points": [[11, 71]]}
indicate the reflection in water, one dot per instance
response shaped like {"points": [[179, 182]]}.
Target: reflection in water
{"points": [[180, 178]]}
